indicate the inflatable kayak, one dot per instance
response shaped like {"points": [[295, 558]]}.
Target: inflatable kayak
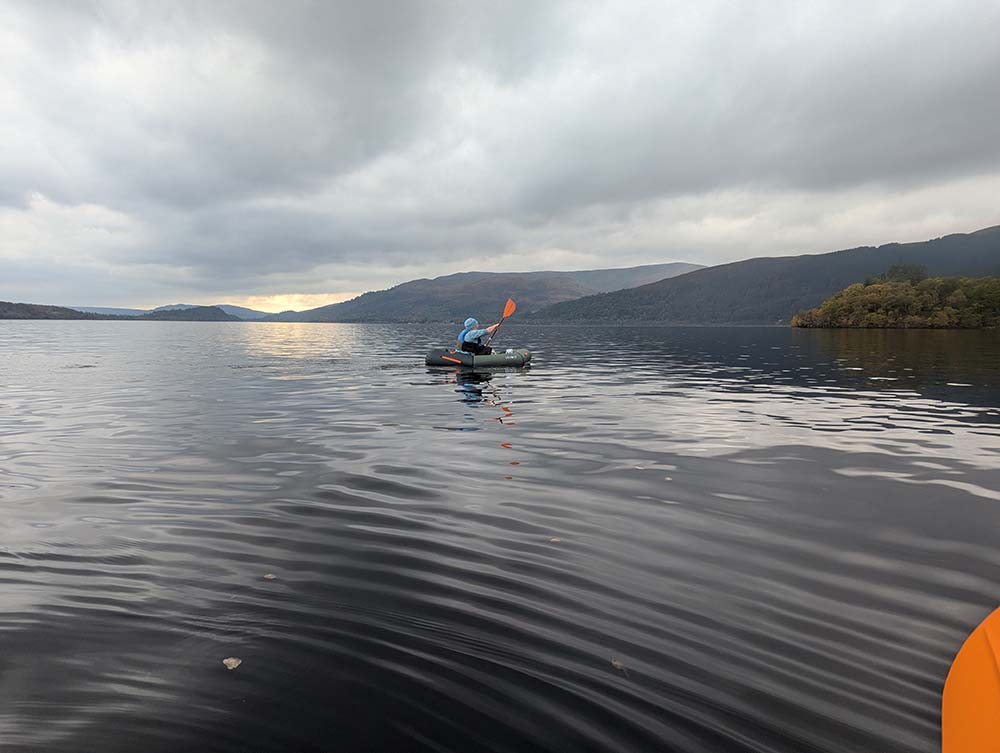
{"points": [[970, 706], [501, 359]]}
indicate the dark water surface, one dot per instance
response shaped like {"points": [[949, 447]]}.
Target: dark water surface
{"points": [[653, 540]]}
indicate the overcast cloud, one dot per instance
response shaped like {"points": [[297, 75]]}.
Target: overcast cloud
{"points": [[244, 151]]}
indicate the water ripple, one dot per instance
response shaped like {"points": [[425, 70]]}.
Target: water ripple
{"points": [[683, 540]]}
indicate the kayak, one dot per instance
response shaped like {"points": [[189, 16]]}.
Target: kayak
{"points": [[497, 359], [970, 706]]}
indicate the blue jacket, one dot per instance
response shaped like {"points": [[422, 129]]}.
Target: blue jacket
{"points": [[472, 335]]}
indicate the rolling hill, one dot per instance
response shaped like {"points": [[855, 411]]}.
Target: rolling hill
{"points": [[37, 311], [772, 290], [10, 310], [480, 294], [239, 312], [190, 314], [108, 310]]}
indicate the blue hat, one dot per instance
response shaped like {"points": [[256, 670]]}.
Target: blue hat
{"points": [[470, 322]]}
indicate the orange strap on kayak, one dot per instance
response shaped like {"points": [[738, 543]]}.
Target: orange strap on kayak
{"points": [[970, 707]]}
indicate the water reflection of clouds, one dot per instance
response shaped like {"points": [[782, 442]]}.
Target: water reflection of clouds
{"points": [[300, 340]]}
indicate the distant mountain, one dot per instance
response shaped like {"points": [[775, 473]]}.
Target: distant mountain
{"points": [[108, 311], [238, 311], [772, 290], [37, 311], [480, 294], [243, 313], [190, 314], [173, 307]]}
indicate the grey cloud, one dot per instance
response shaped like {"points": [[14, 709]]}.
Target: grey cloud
{"points": [[258, 142], [262, 100], [917, 98]]}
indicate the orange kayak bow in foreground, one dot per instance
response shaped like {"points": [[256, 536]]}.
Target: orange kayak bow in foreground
{"points": [[970, 707]]}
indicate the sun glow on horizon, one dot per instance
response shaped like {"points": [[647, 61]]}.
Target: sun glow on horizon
{"points": [[289, 301]]}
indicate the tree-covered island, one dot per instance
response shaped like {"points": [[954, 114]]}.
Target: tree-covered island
{"points": [[905, 297]]}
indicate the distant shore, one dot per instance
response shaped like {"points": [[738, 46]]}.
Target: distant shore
{"points": [[35, 311]]}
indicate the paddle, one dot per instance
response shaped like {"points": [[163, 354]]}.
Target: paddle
{"points": [[970, 706], [508, 310]]}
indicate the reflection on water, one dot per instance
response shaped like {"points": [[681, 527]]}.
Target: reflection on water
{"points": [[474, 386], [679, 539], [926, 360]]}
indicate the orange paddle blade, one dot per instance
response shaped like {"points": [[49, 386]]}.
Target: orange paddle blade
{"points": [[970, 708], [509, 308]]}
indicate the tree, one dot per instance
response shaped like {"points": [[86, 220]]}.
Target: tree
{"points": [[934, 302], [911, 273]]}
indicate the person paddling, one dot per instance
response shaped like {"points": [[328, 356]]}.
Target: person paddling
{"points": [[470, 339]]}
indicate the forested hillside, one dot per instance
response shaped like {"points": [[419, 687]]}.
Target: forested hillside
{"points": [[37, 311], [938, 302], [772, 290], [480, 294], [10, 310]]}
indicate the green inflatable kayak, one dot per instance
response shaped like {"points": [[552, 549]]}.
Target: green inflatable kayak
{"points": [[499, 359]]}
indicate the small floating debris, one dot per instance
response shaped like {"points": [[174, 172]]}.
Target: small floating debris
{"points": [[515, 462], [232, 662], [509, 478], [619, 666], [668, 478], [555, 540], [270, 576], [505, 445]]}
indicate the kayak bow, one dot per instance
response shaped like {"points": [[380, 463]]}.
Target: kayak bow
{"points": [[970, 706]]}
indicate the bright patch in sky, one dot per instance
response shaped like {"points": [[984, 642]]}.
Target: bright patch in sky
{"points": [[290, 301]]}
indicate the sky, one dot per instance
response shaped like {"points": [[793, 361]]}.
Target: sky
{"points": [[293, 154]]}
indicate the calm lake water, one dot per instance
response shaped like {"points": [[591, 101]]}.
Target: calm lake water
{"points": [[678, 539]]}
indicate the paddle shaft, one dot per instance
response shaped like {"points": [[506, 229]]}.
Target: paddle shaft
{"points": [[508, 310], [490, 338]]}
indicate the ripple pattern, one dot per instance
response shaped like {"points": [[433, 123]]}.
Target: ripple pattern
{"points": [[748, 539]]}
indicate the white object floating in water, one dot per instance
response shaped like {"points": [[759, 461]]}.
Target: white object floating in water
{"points": [[555, 540], [270, 576], [619, 665], [232, 662]]}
